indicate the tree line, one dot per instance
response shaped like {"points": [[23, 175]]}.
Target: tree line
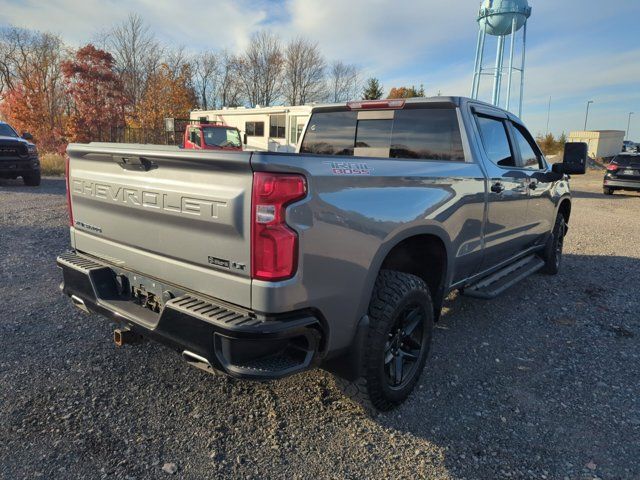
{"points": [[127, 77]]}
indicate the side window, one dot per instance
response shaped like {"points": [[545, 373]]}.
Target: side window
{"points": [[254, 129], [195, 136], [277, 126], [496, 142], [531, 159]]}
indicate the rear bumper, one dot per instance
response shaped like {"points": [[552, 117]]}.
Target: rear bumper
{"points": [[622, 184], [209, 333], [19, 167]]}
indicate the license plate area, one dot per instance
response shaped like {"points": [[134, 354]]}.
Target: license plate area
{"points": [[143, 291], [629, 172]]}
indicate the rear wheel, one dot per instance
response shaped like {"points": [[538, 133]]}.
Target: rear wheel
{"points": [[607, 190], [553, 251], [32, 179], [400, 330]]}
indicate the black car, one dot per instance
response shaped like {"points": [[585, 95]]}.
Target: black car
{"points": [[18, 156], [623, 173]]}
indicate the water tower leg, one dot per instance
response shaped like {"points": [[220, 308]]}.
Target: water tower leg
{"points": [[524, 52], [511, 51], [476, 66], [498, 74]]}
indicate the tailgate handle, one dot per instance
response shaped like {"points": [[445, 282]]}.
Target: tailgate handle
{"points": [[132, 162]]}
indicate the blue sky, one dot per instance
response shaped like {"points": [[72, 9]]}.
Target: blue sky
{"points": [[578, 50]]}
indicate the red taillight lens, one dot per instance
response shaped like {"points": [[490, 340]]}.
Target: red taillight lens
{"points": [[274, 246], [67, 173], [612, 167]]}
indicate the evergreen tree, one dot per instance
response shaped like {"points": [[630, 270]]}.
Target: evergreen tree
{"points": [[373, 90]]}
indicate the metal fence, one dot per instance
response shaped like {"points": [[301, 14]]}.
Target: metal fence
{"points": [[158, 136]]}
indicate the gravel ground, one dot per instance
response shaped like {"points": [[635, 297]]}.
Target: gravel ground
{"points": [[540, 383]]}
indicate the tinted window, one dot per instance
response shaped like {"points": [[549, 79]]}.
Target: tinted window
{"points": [[330, 133], [495, 141], [7, 131], [277, 127], [254, 129], [626, 159], [195, 136], [432, 134], [374, 133], [426, 133], [530, 157], [221, 137]]}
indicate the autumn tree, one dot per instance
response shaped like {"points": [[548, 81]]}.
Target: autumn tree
{"points": [[342, 82], [168, 94], [372, 90], [304, 72], [96, 93], [406, 92], [33, 98]]}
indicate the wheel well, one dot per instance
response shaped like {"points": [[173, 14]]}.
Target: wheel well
{"points": [[565, 210], [424, 256]]}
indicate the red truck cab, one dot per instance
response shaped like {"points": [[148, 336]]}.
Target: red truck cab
{"points": [[212, 136]]}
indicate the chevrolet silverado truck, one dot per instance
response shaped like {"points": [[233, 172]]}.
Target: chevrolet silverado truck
{"points": [[18, 156], [261, 265]]}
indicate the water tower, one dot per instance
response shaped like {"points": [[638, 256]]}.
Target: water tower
{"points": [[501, 18]]}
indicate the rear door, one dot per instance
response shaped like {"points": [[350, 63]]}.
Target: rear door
{"points": [[508, 193], [181, 216]]}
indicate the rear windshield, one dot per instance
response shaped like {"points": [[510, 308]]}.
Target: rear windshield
{"points": [[7, 131], [419, 133], [627, 159], [221, 137]]}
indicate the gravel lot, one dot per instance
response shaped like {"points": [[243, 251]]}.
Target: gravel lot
{"points": [[540, 383]]}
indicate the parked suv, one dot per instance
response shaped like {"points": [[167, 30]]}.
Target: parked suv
{"points": [[623, 173], [265, 264], [18, 156]]}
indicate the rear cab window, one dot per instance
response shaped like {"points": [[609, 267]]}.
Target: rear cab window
{"points": [[414, 132]]}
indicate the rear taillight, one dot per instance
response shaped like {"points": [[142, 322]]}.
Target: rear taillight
{"points": [[67, 173], [274, 246], [612, 167]]}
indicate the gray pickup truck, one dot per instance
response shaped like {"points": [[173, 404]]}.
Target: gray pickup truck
{"points": [[261, 265]]}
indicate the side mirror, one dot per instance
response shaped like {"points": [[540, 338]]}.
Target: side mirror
{"points": [[27, 136], [574, 161]]}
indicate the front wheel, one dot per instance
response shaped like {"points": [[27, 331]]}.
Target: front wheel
{"points": [[607, 191], [400, 330], [553, 251], [32, 179]]}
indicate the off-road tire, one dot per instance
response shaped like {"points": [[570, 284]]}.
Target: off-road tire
{"points": [[393, 293], [32, 179], [553, 250]]}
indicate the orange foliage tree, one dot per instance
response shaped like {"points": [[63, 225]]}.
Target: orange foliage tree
{"points": [[97, 100], [168, 94], [406, 92]]}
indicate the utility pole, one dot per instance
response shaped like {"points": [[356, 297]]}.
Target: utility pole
{"points": [[548, 115], [586, 117], [629, 124]]}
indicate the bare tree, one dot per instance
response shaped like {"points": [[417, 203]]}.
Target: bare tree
{"points": [[260, 69], [137, 53], [206, 73], [343, 82], [304, 69], [230, 89]]}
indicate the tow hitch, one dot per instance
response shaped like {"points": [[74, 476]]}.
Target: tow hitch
{"points": [[124, 336]]}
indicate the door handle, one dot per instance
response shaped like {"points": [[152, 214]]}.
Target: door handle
{"points": [[497, 187]]}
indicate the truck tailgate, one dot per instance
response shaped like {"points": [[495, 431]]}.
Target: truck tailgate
{"points": [[180, 216]]}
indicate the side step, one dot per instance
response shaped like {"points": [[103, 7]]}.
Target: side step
{"points": [[496, 283]]}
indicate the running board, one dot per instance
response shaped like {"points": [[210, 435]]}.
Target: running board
{"points": [[496, 283]]}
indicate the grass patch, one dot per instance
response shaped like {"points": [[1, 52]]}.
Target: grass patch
{"points": [[52, 164]]}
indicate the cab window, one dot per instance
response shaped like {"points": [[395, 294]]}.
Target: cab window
{"points": [[495, 140], [529, 152], [194, 136]]}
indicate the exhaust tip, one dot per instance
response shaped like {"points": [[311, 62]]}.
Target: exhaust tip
{"points": [[125, 336], [197, 361]]}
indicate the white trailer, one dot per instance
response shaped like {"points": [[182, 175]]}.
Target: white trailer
{"points": [[275, 129]]}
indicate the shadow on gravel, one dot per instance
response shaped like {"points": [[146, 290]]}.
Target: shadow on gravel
{"points": [[541, 379], [602, 196], [49, 186]]}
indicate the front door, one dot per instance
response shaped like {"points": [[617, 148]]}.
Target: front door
{"points": [[506, 222]]}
